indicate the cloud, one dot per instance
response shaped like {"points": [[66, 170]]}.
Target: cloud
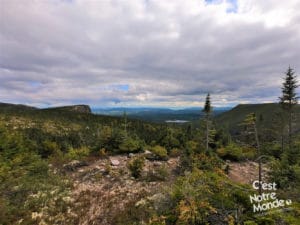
{"points": [[158, 53]]}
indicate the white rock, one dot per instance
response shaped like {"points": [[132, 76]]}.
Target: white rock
{"points": [[114, 162], [148, 152]]}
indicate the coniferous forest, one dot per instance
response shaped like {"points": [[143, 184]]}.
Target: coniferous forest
{"points": [[66, 165]]}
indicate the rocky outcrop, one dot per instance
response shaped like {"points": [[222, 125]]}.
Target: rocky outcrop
{"points": [[78, 108], [73, 108], [73, 165], [81, 108]]}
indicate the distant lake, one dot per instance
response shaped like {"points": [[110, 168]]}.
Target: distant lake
{"points": [[177, 121]]}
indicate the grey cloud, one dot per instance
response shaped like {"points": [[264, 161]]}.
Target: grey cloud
{"points": [[165, 51]]}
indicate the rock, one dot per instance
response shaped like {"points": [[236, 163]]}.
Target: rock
{"points": [[157, 163], [74, 108], [73, 165], [131, 155], [147, 152], [171, 162], [149, 155], [114, 162]]}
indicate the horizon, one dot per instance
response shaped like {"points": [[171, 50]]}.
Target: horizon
{"points": [[146, 53], [142, 107]]}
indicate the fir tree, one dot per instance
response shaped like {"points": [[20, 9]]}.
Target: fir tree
{"points": [[250, 124], [289, 98], [207, 110], [125, 123]]}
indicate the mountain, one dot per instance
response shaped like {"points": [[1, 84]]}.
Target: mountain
{"points": [[266, 114], [72, 108], [9, 107], [15, 107], [159, 115], [71, 125]]}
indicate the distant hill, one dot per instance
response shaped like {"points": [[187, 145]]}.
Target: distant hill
{"points": [[72, 108], [6, 107], [159, 115], [15, 107], [71, 125], [265, 114]]}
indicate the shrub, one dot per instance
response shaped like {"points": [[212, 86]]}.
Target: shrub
{"points": [[102, 153], [175, 152], [78, 153], [160, 152], [48, 148], [265, 221], [236, 153], [158, 174], [135, 165], [205, 162], [250, 222], [107, 168], [130, 145]]}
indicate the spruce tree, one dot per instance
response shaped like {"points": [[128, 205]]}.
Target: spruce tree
{"points": [[289, 98], [125, 123], [207, 110]]}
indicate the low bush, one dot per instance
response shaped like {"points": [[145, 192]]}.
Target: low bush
{"points": [[158, 174], [175, 152], [130, 145], [78, 153], [102, 153], [236, 153], [160, 152], [135, 165]]}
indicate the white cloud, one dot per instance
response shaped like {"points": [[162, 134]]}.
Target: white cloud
{"points": [[167, 52]]}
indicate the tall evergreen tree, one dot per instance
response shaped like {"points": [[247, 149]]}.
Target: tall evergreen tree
{"points": [[207, 110], [125, 123], [250, 124], [289, 98]]}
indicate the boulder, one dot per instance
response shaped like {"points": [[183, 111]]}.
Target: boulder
{"points": [[149, 155], [114, 162], [147, 152]]}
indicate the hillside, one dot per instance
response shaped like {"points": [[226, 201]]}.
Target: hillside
{"points": [[72, 108], [159, 115], [66, 165], [266, 115], [75, 126], [8, 107]]}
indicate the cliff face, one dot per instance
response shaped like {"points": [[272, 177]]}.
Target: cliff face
{"points": [[7, 107], [82, 108], [76, 108]]}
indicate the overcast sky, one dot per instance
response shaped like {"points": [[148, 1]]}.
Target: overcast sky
{"points": [[110, 53]]}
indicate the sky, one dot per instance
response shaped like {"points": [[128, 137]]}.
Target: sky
{"points": [[157, 53]]}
